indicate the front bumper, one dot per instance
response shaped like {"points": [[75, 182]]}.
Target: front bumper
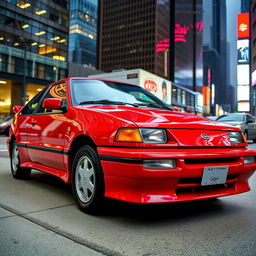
{"points": [[127, 180]]}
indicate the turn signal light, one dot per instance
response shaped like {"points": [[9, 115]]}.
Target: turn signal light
{"points": [[128, 135], [244, 138]]}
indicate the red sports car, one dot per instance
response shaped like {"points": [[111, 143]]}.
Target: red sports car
{"points": [[116, 140]]}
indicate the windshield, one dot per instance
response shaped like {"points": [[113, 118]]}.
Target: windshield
{"points": [[231, 117], [112, 93]]}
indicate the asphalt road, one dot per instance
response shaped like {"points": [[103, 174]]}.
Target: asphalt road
{"points": [[39, 217]]}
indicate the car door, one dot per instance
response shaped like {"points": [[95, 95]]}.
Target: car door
{"points": [[22, 123], [47, 132], [250, 120]]}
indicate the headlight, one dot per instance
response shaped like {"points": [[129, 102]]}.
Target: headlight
{"points": [[235, 137], [145, 135], [153, 135], [239, 126]]}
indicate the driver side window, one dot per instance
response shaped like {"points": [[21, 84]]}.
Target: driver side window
{"points": [[32, 105]]}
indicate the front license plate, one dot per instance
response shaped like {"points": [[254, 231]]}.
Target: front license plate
{"points": [[214, 175]]}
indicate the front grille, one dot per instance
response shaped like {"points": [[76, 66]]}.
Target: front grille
{"points": [[203, 189], [197, 180], [211, 160]]}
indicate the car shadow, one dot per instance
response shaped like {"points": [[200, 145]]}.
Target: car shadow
{"points": [[142, 213]]}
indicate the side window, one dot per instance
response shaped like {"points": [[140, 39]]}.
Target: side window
{"points": [[249, 118], [56, 91], [32, 105]]}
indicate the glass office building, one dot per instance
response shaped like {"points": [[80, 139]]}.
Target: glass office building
{"points": [[83, 32], [33, 48], [134, 34]]}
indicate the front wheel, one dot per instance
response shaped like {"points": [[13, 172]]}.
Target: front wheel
{"points": [[17, 171], [87, 180]]}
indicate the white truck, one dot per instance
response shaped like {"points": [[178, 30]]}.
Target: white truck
{"points": [[157, 85]]}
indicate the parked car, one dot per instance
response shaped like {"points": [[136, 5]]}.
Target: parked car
{"points": [[243, 121], [115, 140], [5, 124]]}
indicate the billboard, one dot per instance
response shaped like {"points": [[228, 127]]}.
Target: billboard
{"points": [[243, 74], [243, 30], [243, 106], [157, 85], [243, 92], [243, 51]]}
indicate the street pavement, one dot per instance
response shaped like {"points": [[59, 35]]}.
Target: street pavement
{"points": [[38, 217]]}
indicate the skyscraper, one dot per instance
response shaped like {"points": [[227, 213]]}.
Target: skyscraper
{"points": [[134, 34], [33, 48], [83, 32]]}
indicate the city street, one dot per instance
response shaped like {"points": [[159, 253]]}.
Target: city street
{"points": [[39, 217]]}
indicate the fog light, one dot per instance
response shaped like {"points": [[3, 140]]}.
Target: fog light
{"points": [[159, 164], [249, 160]]}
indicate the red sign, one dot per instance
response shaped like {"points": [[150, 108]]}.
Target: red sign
{"points": [[150, 86], [243, 27]]}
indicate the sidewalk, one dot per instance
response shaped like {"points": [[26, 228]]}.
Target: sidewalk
{"points": [[19, 236]]}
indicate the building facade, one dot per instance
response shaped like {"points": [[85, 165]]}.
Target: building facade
{"points": [[216, 61], [83, 32], [33, 48], [134, 34]]}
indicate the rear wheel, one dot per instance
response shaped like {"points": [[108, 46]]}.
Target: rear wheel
{"points": [[17, 171], [87, 180]]}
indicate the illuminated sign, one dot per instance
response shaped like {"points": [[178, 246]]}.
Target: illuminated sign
{"points": [[243, 51], [243, 74], [243, 92], [180, 33], [243, 29], [244, 106]]}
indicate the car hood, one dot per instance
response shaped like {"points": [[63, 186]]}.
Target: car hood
{"points": [[188, 130], [161, 118]]}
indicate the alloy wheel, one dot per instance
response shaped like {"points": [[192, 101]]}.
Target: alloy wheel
{"points": [[85, 179]]}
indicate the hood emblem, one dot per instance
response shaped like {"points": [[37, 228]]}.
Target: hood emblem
{"points": [[205, 136]]}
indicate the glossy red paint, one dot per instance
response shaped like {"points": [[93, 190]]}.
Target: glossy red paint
{"points": [[46, 142], [16, 109], [52, 103]]}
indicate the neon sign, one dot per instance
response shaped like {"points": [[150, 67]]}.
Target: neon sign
{"points": [[180, 33]]}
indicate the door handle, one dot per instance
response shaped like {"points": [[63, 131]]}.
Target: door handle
{"points": [[33, 123]]}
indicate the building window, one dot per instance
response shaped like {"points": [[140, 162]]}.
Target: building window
{"points": [[3, 63]]}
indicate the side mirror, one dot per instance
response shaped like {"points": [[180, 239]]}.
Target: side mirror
{"points": [[16, 108], [175, 109], [52, 103]]}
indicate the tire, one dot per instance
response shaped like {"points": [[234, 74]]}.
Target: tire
{"points": [[17, 171], [6, 132], [87, 180]]}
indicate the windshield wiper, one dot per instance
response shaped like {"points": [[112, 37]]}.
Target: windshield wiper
{"points": [[107, 102], [153, 105]]}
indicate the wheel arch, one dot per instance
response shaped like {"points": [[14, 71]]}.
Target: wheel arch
{"points": [[77, 143], [11, 143]]}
